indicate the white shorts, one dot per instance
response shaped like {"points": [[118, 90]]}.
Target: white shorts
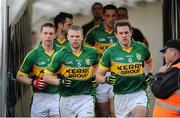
{"points": [[45, 105], [104, 92], [124, 104], [77, 106]]}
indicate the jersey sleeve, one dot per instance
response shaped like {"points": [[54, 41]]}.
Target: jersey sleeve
{"points": [[105, 61], [55, 63], [28, 63], [147, 54], [96, 57]]}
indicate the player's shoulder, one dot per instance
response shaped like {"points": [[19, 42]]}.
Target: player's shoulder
{"points": [[32, 54], [89, 48], [112, 49], [60, 53], [139, 44], [94, 29], [57, 47], [34, 51], [113, 46], [63, 50]]}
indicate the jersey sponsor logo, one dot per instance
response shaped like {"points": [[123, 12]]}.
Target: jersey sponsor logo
{"points": [[101, 39], [69, 62], [37, 70], [101, 47], [76, 73], [41, 63], [110, 37], [129, 56], [119, 58], [127, 69]]}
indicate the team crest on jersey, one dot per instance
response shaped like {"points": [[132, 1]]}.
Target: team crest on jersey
{"points": [[87, 60], [138, 56]]}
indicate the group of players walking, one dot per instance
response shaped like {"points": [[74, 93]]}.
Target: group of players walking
{"points": [[79, 73]]}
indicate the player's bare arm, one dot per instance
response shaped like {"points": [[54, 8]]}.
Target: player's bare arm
{"points": [[100, 75], [149, 65], [24, 79], [50, 79]]}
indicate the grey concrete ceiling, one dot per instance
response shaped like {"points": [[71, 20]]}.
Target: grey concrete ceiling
{"points": [[49, 8]]}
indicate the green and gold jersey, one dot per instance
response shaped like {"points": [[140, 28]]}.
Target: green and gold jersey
{"points": [[35, 62], [78, 67], [64, 43], [127, 65], [100, 39]]}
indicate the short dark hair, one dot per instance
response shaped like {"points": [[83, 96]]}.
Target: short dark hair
{"points": [[47, 25], [109, 7], [76, 27], [121, 23], [122, 16], [61, 18], [96, 3], [123, 8]]}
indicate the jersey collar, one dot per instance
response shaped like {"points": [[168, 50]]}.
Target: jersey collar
{"points": [[101, 26], [119, 46], [55, 47], [61, 42]]}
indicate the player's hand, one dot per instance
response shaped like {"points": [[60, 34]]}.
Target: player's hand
{"points": [[38, 83], [149, 77], [65, 82], [111, 79], [94, 82]]}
